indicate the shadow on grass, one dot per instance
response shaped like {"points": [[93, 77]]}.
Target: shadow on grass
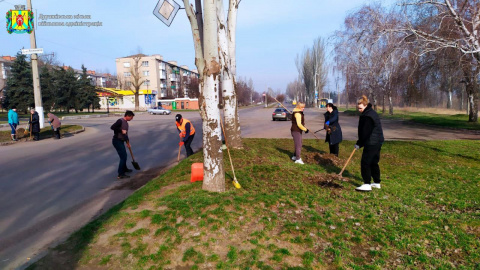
{"points": [[445, 152]]}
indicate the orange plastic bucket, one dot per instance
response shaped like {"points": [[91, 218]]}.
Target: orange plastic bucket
{"points": [[197, 172]]}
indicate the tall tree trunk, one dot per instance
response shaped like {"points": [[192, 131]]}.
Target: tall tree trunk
{"points": [[390, 104], [137, 103], [449, 100], [472, 102], [213, 172], [232, 122]]}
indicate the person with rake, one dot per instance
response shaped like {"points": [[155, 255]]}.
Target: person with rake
{"points": [[370, 137], [186, 131], [334, 132], [298, 126]]}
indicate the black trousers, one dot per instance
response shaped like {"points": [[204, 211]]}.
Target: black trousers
{"points": [[334, 149], [57, 133], [36, 136], [122, 153], [369, 163], [187, 145]]}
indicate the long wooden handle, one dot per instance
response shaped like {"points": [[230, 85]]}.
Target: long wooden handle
{"points": [[131, 153], [292, 114], [282, 105], [179, 147], [228, 150], [351, 155]]}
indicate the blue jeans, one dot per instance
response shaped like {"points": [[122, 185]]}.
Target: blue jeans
{"points": [[122, 153], [14, 128]]}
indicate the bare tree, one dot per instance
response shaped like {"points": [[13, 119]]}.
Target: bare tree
{"points": [[226, 41], [207, 62], [451, 24], [136, 78]]}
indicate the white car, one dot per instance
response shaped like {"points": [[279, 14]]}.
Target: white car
{"points": [[158, 110]]}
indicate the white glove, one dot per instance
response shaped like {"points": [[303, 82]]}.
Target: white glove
{"points": [[357, 147]]}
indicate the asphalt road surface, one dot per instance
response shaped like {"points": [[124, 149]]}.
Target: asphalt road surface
{"points": [[50, 188]]}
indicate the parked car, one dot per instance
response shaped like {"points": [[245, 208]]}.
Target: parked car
{"points": [[281, 114], [158, 110]]}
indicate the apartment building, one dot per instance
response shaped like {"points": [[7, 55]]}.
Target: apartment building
{"points": [[5, 66], [166, 79]]}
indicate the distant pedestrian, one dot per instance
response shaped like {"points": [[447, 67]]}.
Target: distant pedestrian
{"points": [[13, 122], [35, 124], [186, 132], [333, 130], [55, 123], [298, 126], [370, 136], [120, 137]]}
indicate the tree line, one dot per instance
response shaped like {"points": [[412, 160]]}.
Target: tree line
{"points": [[62, 89], [416, 53]]}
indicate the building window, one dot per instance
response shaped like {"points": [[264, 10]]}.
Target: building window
{"points": [[127, 74], [146, 82], [146, 73], [128, 84], [144, 63], [126, 64]]}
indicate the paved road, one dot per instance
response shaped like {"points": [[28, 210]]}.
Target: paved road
{"points": [[257, 123], [45, 185], [49, 189]]}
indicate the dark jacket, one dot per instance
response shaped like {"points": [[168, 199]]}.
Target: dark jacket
{"points": [[370, 130], [35, 122], [336, 134], [294, 121]]}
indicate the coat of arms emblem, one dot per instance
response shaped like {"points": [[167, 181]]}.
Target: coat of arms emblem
{"points": [[19, 21]]}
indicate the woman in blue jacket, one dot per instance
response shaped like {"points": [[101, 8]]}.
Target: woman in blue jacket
{"points": [[13, 122]]}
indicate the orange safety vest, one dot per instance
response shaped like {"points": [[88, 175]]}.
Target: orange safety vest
{"points": [[182, 129]]}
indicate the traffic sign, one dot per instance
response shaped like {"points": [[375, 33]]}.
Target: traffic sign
{"points": [[32, 51], [166, 11]]}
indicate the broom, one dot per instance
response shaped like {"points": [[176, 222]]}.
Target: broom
{"points": [[235, 182]]}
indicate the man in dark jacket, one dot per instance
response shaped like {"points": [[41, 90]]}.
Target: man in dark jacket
{"points": [[35, 125], [120, 137], [334, 132], [370, 136]]}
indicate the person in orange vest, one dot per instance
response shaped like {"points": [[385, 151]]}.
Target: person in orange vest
{"points": [[186, 133]]}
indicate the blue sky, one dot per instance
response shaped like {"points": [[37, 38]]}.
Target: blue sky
{"points": [[270, 33]]}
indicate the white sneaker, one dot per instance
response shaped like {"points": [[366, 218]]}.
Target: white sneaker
{"points": [[294, 158], [375, 185], [299, 161], [364, 187]]}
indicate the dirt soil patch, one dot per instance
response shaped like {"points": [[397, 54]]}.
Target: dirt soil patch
{"points": [[322, 159]]}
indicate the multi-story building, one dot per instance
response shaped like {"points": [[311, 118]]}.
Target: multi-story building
{"points": [[5, 66], [165, 78]]}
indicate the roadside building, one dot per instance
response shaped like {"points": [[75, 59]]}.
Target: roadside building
{"points": [[166, 79], [115, 99], [179, 104], [5, 66]]}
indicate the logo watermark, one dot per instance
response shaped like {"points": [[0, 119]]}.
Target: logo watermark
{"points": [[67, 20]]}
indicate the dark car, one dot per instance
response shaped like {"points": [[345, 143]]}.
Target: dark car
{"points": [[281, 114]]}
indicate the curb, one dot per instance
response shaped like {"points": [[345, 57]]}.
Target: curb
{"points": [[28, 139], [96, 115]]}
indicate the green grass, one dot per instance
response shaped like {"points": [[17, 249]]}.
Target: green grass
{"points": [[45, 132], [426, 216], [457, 121]]}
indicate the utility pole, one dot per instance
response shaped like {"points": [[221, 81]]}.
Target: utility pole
{"points": [[36, 79]]}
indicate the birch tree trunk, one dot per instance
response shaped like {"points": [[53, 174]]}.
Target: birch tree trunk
{"points": [[206, 60], [232, 122], [213, 172]]}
